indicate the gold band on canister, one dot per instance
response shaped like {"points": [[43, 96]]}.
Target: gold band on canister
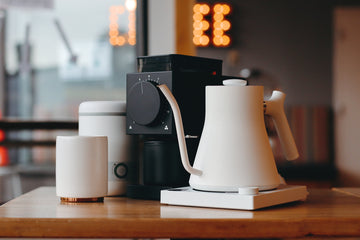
{"points": [[79, 200]]}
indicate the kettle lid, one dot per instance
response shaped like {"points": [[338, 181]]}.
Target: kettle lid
{"points": [[234, 82], [102, 107]]}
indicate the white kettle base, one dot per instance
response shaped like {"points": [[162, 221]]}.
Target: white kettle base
{"points": [[228, 189], [244, 199]]}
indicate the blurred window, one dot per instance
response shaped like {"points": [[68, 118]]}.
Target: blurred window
{"points": [[62, 52]]}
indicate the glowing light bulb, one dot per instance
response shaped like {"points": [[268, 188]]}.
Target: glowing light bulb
{"points": [[197, 16], [196, 40], [196, 8], [205, 25], [225, 40], [204, 40], [217, 24], [218, 17], [115, 37], [200, 25], [130, 5], [225, 25], [204, 9], [226, 9]]}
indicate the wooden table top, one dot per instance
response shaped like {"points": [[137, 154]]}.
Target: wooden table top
{"points": [[40, 213]]}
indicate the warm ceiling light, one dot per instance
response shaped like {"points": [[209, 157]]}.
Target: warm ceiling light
{"points": [[197, 32], [120, 40], [204, 40], [225, 25], [204, 9], [218, 8], [225, 40], [217, 40], [217, 23], [205, 25], [112, 40], [115, 37], [113, 26], [218, 17], [197, 25], [226, 9], [218, 32], [196, 40], [196, 8], [130, 5], [197, 16], [132, 41], [113, 33]]}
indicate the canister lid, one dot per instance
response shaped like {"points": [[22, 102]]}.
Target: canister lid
{"points": [[102, 107]]}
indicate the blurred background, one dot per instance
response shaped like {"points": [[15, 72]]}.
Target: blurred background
{"points": [[54, 54]]}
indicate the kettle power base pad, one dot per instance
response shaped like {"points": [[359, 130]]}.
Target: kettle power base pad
{"points": [[186, 196]]}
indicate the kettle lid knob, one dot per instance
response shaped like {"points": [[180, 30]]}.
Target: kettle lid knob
{"points": [[234, 82]]}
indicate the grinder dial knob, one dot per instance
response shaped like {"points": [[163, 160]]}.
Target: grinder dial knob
{"points": [[144, 102]]}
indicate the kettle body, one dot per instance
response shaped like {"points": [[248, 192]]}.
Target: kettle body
{"points": [[234, 150]]}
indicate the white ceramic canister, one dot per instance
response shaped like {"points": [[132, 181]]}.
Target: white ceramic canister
{"points": [[108, 118], [81, 168]]}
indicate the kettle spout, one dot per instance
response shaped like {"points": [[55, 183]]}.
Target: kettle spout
{"points": [[179, 130], [275, 108]]}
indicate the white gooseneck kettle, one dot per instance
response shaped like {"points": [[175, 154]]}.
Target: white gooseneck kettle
{"points": [[234, 150]]}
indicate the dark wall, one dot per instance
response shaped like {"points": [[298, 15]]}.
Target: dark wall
{"points": [[289, 42]]}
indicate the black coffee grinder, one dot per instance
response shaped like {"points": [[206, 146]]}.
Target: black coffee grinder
{"points": [[150, 116]]}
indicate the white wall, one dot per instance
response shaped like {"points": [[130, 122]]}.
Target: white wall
{"points": [[161, 17], [346, 94]]}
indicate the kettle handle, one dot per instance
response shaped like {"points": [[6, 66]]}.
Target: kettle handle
{"points": [[275, 108], [179, 130]]}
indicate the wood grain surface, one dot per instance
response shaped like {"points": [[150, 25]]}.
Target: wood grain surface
{"points": [[41, 214]]}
